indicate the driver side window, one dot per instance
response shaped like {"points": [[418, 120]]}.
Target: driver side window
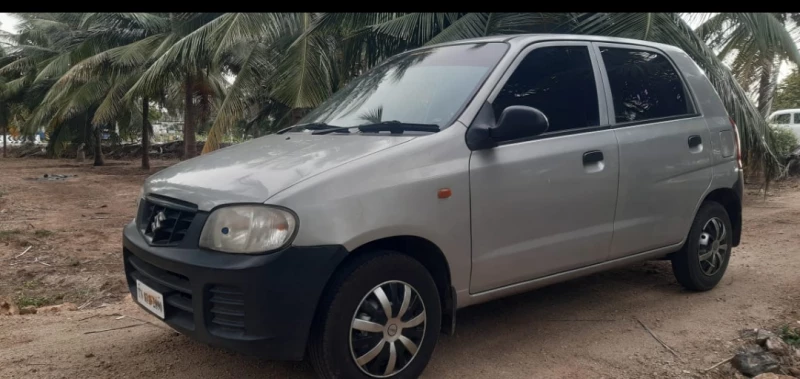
{"points": [[557, 80]]}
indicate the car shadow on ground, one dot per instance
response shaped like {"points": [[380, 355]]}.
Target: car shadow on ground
{"points": [[484, 332]]}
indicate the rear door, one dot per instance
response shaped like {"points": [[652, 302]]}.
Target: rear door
{"points": [[545, 204], [664, 148]]}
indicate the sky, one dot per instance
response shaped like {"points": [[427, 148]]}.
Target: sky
{"points": [[8, 23]]}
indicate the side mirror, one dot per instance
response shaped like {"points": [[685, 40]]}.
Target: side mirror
{"points": [[516, 121], [519, 121]]}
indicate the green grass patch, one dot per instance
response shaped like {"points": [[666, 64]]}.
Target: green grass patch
{"points": [[9, 235], [36, 301], [43, 233], [31, 284], [790, 335]]}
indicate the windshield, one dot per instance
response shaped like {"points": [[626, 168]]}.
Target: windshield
{"points": [[430, 86]]}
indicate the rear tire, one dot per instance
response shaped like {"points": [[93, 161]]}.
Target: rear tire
{"points": [[352, 326], [702, 261]]}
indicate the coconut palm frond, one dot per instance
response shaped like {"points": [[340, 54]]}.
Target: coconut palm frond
{"points": [[237, 100], [112, 105], [303, 75], [189, 52]]}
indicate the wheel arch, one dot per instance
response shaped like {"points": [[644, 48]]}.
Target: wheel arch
{"points": [[425, 252]]}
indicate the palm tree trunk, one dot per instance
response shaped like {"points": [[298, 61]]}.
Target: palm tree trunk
{"points": [[773, 85], [98, 151], [766, 84], [145, 134], [189, 141], [204, 109]]}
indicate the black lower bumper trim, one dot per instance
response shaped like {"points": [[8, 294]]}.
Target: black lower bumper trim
{"points": [[738, 188], [255, 304]]}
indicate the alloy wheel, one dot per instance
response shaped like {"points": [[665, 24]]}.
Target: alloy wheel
{"points": [[387, 329], [713, 246]]}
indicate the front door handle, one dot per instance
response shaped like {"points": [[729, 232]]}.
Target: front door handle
{"points": [[591, 157], [695, 141]]}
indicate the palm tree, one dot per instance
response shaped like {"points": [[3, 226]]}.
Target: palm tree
{"points": [[756, 44], [283, 69], [87, 87], [134, 38], [110, 67], [44, 49], [183, 56]]}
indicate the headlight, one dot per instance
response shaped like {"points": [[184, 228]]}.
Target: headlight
{"points": [[248, 229]]}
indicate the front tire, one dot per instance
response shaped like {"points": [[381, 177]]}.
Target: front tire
{"points": [[702, 261], [379, 318]]}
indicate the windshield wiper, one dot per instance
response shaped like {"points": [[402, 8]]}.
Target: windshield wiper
{"points": [[396, 127]]}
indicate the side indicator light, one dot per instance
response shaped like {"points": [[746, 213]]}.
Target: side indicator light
{"points": [[444, 193]]}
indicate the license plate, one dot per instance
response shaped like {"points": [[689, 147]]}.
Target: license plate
{"points": [[150, 299]]}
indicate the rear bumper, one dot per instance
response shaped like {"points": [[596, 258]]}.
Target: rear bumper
{"points": [[255, 304]]}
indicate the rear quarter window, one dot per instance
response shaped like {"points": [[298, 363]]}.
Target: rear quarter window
{"points": [[644, 85]]}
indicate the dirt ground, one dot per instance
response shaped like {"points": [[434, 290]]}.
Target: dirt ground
{"points": [[584, 328]]}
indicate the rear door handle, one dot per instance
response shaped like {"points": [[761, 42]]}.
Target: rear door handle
{"points": [[591, 157], [695, 141]]}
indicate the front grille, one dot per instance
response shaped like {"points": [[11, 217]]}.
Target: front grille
{"points": [[174, 287], [226, 308], [165, 221]]}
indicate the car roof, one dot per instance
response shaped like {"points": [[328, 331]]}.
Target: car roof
{"points": [[785, 111], [526, 39]]}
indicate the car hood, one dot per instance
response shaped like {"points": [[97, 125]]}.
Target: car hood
{"points": [[253, 171]]}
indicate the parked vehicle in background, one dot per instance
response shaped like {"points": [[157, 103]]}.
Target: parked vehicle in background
{"points": [[447, 176], [37, 139], [788, 118]]}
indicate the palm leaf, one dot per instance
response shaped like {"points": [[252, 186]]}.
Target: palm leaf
{"points": [[303, 74], [189, 52], [235, 105]]}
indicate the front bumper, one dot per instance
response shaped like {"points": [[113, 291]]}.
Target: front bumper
{"points": [[255, 304]]}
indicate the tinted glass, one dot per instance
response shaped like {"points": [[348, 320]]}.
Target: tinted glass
{"points": [[427, 87], [782, 118], [796, 118], [558, 81], [644, 85]]}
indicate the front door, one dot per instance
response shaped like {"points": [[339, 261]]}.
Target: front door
{"points": [[545, 204]]}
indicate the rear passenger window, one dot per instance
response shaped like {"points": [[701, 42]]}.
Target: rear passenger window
{"points": [[559, 81], [644, 85], [796, 118]]}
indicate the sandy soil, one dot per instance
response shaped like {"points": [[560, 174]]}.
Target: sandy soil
{"points": [[587, 327]]}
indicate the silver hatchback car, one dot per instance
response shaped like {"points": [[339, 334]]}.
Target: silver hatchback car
{"points": [[447, 176]]}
